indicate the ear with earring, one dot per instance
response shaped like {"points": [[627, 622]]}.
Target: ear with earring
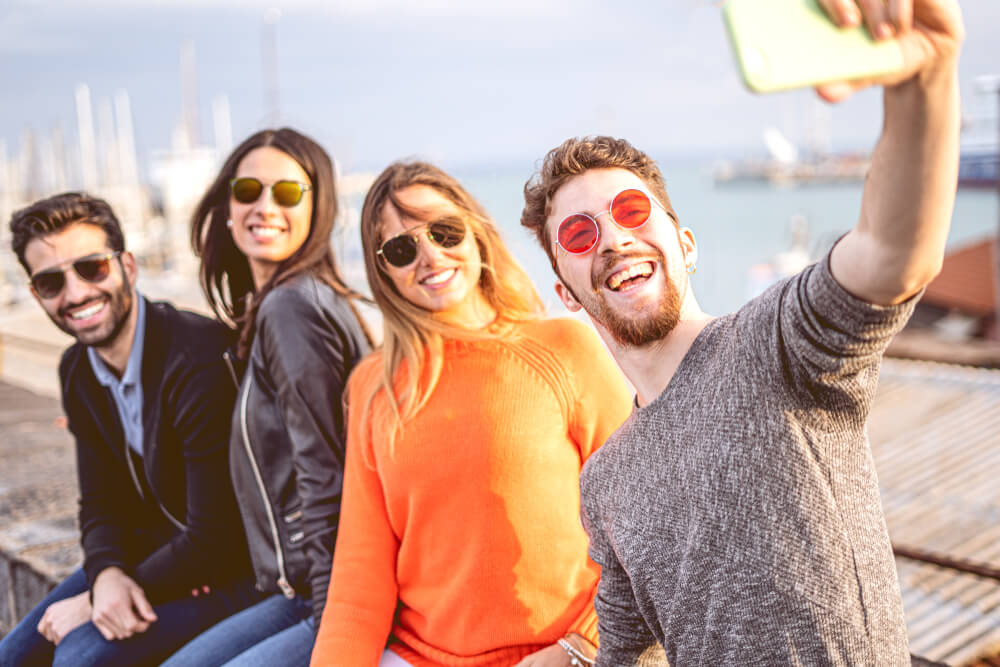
{"points": [[689, 265], [229, 223]]}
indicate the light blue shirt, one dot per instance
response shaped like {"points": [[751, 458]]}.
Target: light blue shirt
{"points": [[128, 390]]}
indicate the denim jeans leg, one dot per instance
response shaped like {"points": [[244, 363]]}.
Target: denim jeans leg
{"points": [[242, 631], [291, 647], [178, 621], [24, 646]]}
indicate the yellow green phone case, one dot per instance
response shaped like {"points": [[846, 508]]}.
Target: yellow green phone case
{"points": [[782, 44]]}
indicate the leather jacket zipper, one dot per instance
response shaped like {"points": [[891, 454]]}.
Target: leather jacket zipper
{"points": [[283, 584], [232, 369]]}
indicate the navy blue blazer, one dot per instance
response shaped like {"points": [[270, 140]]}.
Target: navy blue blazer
{"points": [[169, 518]]}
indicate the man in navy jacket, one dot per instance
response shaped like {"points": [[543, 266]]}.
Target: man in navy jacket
{"points": [[148, 400]]}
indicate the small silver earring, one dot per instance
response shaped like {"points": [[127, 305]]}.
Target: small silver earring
{"points": [[229, 223]]}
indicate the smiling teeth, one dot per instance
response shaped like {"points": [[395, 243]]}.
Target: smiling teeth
{"points": [[616, 279], [87, 312], [266, 232], [439, 278]]}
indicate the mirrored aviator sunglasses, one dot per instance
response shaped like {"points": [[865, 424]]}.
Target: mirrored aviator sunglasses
{"points": [[247, 190], [401, 250], [578, 233], [50, 283]]}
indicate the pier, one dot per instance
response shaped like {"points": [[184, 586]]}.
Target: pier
{"points": [[39, 539]]}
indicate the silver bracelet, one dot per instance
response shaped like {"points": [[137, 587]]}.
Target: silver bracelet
{"points": [[576, 659]]}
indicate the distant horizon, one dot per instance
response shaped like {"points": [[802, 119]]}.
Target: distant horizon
{"points": [[465, 85]]}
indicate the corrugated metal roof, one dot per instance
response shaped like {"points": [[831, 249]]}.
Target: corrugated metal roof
{"points": [[935, 433], [966, 281]]}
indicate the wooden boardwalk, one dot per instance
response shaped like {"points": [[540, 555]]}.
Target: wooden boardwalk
{"points": [[935, 432]]}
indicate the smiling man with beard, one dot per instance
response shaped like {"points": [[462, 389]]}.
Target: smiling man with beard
{"points": [[148, 400], [736, 514]]}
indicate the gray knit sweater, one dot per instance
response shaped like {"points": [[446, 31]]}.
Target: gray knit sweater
{"points": [[737, 517]]}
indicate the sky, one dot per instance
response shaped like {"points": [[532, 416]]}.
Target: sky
{"points": [[462, 83]]}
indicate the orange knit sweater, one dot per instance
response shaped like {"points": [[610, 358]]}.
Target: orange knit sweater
{"points": [[463, 539]]}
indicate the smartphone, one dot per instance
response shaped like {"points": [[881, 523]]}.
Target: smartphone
{"points": [[783, 44]]}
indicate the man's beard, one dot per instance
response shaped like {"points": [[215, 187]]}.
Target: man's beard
{"points": [[120, 303], [628, 329], [641, 331]]}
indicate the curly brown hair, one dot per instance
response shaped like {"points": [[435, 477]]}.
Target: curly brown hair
{"points": [[574, 157]]}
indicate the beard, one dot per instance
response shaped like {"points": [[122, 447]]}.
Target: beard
{"points": [[633, 329], [119, 306]]}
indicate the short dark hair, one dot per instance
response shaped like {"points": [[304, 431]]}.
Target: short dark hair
{"points": [[574, 157], [55, 213]]}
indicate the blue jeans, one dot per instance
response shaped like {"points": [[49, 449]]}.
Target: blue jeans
{"points": [[277, 631], [177, 622]]}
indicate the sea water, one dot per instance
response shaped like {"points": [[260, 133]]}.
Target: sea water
{"points": [[737, 226]]}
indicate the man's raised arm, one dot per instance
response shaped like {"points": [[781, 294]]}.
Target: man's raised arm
{"points": [[898, 244]]}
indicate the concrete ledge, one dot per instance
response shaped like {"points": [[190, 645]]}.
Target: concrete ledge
{"points": [[39, 538]]}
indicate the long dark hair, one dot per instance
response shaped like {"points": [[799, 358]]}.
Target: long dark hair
{"points": [[225, 271]]}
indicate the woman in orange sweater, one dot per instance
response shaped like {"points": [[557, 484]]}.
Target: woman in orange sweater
{"points": [[460, 541]]}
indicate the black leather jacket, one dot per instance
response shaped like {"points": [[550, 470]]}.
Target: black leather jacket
{"points": [[286, 451]]}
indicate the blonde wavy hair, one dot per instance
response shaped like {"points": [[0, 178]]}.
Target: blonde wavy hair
{"points": [[413, 338]]}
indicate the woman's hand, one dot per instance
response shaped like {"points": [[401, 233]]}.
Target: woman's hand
{"points": [[556, 655], [550, 656]]}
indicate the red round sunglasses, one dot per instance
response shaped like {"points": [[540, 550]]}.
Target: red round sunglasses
{"points": [[579, 233]]}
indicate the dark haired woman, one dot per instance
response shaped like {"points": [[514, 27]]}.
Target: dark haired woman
{"points": [[263, 234]]}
